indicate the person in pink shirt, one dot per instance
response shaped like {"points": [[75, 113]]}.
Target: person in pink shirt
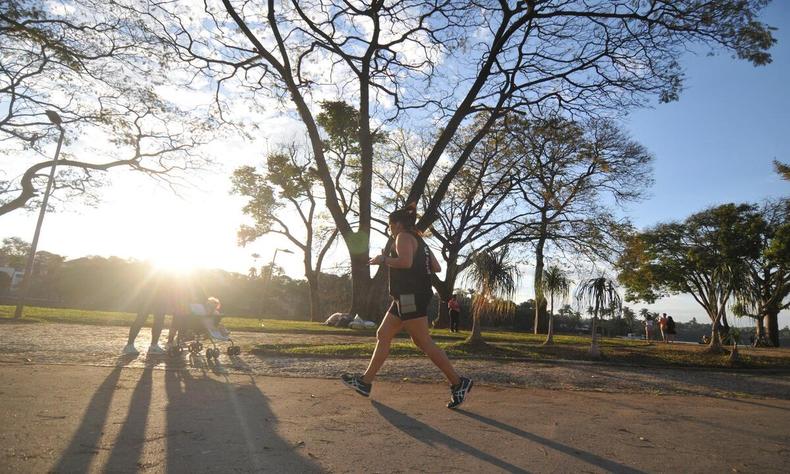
{"points": [[455, 313], [662, 325]]}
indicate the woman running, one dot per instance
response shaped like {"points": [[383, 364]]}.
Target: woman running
{"points": [[410, 268]]}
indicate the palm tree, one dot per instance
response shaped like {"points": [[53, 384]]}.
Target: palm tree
{"points": [[555, 282], [600, 293], [495, 279]]}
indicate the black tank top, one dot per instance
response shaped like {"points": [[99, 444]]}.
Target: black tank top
{"points": [[414, 280]]}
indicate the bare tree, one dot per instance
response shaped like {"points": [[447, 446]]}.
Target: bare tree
{"points": [[100, 71], [480, 212], [569, 170], [287, 188], [446, 63]]}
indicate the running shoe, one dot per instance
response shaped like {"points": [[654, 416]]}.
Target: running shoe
{"points": [[356, 382], [129, 349], [458, 392], [155, 349]]}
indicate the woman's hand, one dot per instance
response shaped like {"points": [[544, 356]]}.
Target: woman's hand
{"points": [[377, 260]]}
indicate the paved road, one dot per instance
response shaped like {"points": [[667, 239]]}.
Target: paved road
{"points": [[69, 403], [111, 419]]}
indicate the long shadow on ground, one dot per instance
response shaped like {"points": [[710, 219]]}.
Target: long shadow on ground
{"points": [[590, 458], [211, 425], [426, 434]]}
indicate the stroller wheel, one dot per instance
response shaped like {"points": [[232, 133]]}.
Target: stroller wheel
{"points": [[231, 350], [237, 350], [215, 353]]}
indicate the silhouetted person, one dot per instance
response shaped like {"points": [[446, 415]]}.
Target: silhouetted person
{"points": [[455, 313], [154, 297], [671, 331]]}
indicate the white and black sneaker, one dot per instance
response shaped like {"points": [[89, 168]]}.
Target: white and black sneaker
{"points": [[458, 392], [355, 381]]}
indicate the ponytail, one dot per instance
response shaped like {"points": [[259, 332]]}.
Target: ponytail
{"points": [[407, 217]]}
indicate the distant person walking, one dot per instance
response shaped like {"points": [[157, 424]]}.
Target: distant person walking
{"points": [[153, 297], [648, 328], [455, 313], [410, 268], [662, 325], [670, 329]]}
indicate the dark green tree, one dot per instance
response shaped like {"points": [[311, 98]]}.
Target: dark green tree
{"points": [[782, 169], [14, 253], [705, 256], [765, 287]]}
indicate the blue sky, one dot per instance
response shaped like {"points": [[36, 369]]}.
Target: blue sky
{"points": [[716, 144]]}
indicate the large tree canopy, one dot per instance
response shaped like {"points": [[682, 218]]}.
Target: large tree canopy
{"points": [[442, 64], [104, 73], [765, 286]]}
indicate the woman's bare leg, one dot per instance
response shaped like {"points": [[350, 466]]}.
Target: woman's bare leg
{"points": [[390, 327], [418, 330]]}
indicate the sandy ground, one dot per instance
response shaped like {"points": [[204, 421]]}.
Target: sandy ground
{"points": [[69, 403]]}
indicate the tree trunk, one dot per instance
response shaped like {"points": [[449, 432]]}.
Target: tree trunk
{"points": [[378, 297], [540, 301], [550, 332], [595, 351], [759, 330], [315, 297], [445, 291], [476, 335], [477, 308], [715, 340], [772, 328], [724, 323], [360, 286]]}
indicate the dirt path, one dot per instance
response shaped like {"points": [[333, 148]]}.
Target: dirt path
{"points": [[68, 418], [100, 346]]}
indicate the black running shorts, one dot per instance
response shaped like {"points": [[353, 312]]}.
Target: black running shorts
{"points": [[410, 306]]}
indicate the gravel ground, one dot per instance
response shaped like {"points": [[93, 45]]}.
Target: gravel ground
{"points": [[28, 343]]}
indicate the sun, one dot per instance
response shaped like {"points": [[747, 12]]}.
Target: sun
{"points": [[174, 263], [176, 255]]}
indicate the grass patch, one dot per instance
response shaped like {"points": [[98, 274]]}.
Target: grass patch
{"points": [[650, 356], [500, 344], [34, 314]]}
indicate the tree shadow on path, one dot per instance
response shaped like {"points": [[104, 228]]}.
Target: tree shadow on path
{"points": [[590, 458], [428, 435]]}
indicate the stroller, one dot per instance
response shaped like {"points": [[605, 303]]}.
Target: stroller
{"points": [[198, 325]]}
